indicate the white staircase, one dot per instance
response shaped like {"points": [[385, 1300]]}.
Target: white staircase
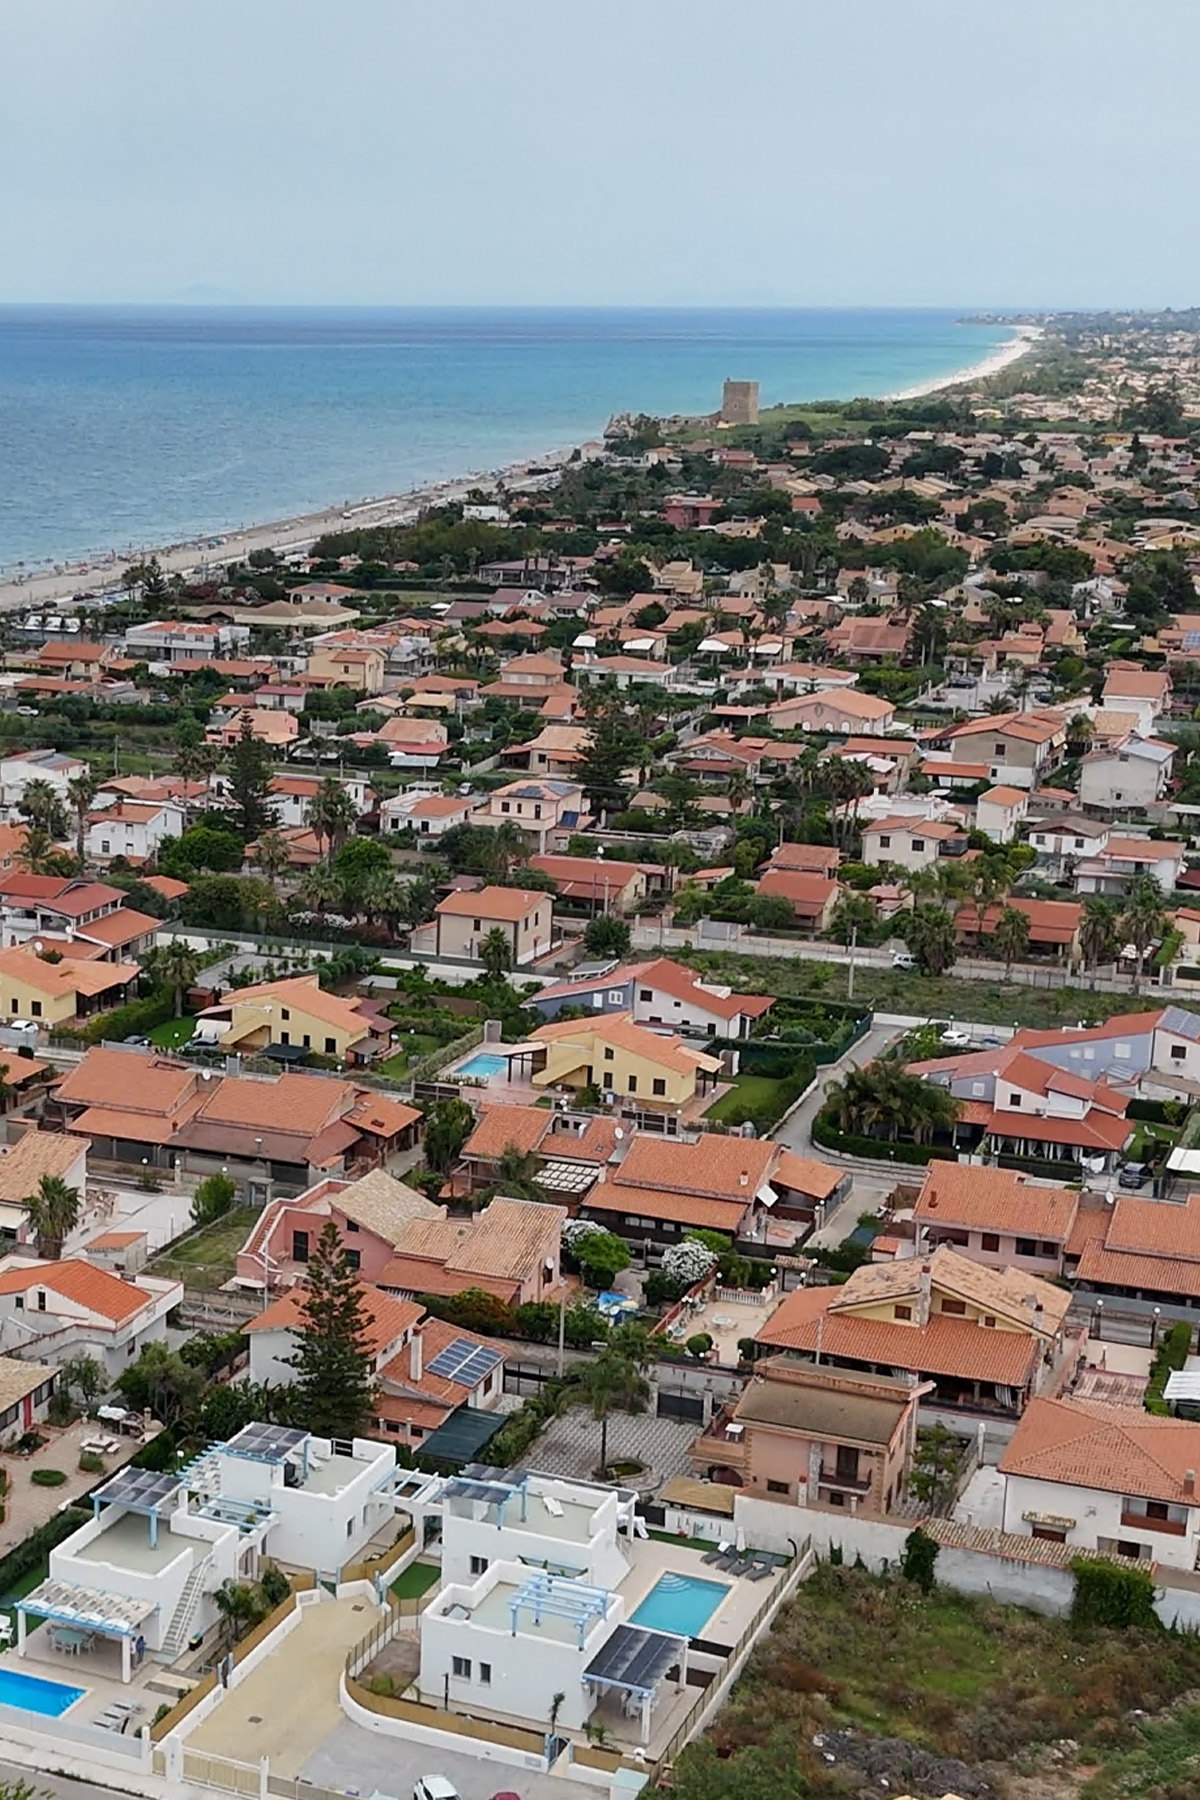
{"points": [[179, 1629]]}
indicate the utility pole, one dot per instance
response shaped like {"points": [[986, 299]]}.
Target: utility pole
{"points": [[850, 969], [562, 1325]]}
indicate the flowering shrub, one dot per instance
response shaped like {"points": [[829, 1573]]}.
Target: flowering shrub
{"points": [[688, 1261]]}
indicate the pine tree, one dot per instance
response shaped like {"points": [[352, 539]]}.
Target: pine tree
{"points": [[250, 784], [334, 1388], [612, 748]]}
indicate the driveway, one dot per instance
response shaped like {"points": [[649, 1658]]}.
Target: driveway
{"points": [[362, 1762], [870, 1185]]}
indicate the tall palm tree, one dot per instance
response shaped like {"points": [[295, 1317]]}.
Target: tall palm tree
{"points": [[36, 850], [272, 855], [612, 1383], [495, 953], [52, 1211], [331, 815], [209, 758], [378, 896], [737, 790], [1098, 930], [81, 791], [321, 889], [506, 846], [1010, 934], [42, 805], [1143, 919], [179, 969]]}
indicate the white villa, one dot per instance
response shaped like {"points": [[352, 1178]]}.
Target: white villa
{"points": [[145, 1567]]}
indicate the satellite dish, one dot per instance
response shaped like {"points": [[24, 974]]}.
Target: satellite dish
{"points": [[37, 946], [618, 1133]]}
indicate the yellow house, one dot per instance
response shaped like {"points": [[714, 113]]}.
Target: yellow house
{"points": [[340, 666], [295, 1015], [948, 1285], [656, 1070], [54, 993]]}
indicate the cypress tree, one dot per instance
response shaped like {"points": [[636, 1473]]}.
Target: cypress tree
{"points": [[334, 1385]]}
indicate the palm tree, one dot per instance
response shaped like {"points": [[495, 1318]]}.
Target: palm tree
{"points": [[37, 850], [495, 953], [331, 815], [42, 805], [516, 1174], [992, 879], [1010, 934], [506, 847], [379, 896], [81, 791], [930, 934], [1080, 732], [853, 914], [209, 758], [178, 968], [240, 1605], [272, 855], [612, 1383], [1098, 930], [1143, 920], [737, 790], [52, 1212], [321, 889]]}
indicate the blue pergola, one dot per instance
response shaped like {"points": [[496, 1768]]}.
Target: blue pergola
{"points": [[556, 1597]]}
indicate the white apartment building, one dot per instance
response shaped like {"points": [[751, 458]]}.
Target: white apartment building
{"points": [[177, 640], [56, 1310]]}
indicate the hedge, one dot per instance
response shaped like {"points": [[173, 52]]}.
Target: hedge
{"points": [[137, 1019], [31, 1550], [1172, 1353], [1157, 1112], [848, 1143]]}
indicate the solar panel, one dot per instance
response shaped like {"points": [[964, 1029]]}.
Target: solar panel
{"points": [[634, 1657], [464, 1361], [138, 1487], [270, 1442]]}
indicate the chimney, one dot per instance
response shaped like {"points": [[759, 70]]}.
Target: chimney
{"points": [[416, 1352], [925, 1295], [1189, 1482], [743, 1179]]}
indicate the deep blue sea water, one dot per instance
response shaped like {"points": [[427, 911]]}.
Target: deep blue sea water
{"points": [[123, 428]]}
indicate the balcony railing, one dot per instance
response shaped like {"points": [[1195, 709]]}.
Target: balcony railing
{"points": [[715, 1447], [1143, 1522], [852, 1484]]}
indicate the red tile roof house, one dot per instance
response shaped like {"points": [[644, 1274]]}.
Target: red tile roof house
{"points": [[999, 1217], [1014, 1104], [69, 1308], [370, 1214], [1053, 926], [1137, 1254], [1111, 1479], [811, 897], [594, 884], [662, 1188]]}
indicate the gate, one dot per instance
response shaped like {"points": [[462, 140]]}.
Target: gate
{"points": [[677, 1403]]}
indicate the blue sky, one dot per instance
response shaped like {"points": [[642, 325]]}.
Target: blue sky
{"points": [[775, 152]]}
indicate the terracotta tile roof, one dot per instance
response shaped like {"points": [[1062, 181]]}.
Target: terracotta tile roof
{"points": [[1005, 796], [380, 1116], [1136, 684], [721, 1168], [116, 1240], [389, 1316], [501, 1128], [1038, 1306], [70, 896], [1121, 1268], [983, 1199], [946, 1346], [36, 1154], [67, 977], [1098, 1131], [294, 1103], [167, 886], [808, 894], [137, 1127], [805, 1176], [1155, 1228], [581, 877], [436, 1335], [382, 1204], [672, 978], [129, 1081], [82, 1283], [811, 859], [927, 828], [618, 1029], [1109, 1449], [17, 1379], [509, 904], [654, 1203], [120, 927]]}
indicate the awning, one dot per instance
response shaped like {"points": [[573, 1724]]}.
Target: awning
{"points": [[463, 1435], [634, 1659], [116, 1615]]}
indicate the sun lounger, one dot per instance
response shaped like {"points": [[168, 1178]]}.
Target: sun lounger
{"points": [[714, 1556], [726, 1561], [741, 1566], [760, 1571], [553, 1507]]}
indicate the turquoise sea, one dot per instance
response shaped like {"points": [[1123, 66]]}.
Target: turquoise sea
{"points": [[124, 428]]}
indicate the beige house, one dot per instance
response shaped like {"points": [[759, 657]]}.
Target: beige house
{"points": [[1016, 749], [343, 665], [463, 921], [547, 811], [653, 1070], [296, 1014], [866, 715], [906, 843]]}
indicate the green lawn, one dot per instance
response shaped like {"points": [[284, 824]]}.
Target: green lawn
{"points": [[411, 1047], [893, 990], [750, 1093], [416, 1580], [174, 1032], [206, 1258]]}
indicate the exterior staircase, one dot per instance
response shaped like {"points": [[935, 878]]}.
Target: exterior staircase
{"points": [[179, 1629]]}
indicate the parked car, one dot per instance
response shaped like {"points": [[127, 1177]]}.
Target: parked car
{"points": [[435, 1787], [956, 1039], [961, 681], [903, 959], [1133, 1175]]}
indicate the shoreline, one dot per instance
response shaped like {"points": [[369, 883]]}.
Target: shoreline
{"points": [[1025, 337], [49, 586]]}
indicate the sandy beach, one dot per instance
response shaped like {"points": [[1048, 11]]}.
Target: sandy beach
{"points": [[49, 585], [1023, 341]]}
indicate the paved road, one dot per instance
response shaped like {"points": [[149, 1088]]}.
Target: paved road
{"points": [[62, 1787], [871, 1184]]}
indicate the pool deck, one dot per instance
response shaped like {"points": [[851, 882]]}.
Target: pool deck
{"points": [[652, 1559]]}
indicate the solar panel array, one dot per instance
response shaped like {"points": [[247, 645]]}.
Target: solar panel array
{"points": [[138, 1487], [271, 1442], [464, 1361], [634, 1657]]}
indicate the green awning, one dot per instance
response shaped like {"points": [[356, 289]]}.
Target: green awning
{"points": [[463, 1435]]}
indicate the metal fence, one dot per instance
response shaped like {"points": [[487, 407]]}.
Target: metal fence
{"points": [[222, 1772]]}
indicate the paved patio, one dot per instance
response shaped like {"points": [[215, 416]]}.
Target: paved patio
{"points": [[726, 1322], [570, 1445], [26, 1506]]}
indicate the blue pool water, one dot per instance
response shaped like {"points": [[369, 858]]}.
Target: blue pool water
{"points": [[35, 1695], [484, 1065], [680, 1603]]}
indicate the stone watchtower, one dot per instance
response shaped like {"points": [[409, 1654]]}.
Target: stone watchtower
{"points": [[739, 403]]}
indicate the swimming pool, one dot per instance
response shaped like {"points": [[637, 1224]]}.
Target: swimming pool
{"points": [[680, 1603], [483, 1065], [33, 1694]]}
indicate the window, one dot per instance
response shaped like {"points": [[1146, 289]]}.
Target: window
{"points": [[416, 1431], [1123, 1051], [633, 1084], [331, 1046], [35, 1007], [885, 842], [902, 1312], [989, 1241], [504, 806], [537, 812], [300, 1246], [476, 925], [608, 1054], [354, 1259], [990, 1320], [1049, 1534], [918, 843], [285, 1037], [778, 1487], [997, 749], [479, 1565], [284, 1013], [351, 1225], [1049, 1249], [461, 1666], [1014, 1099], [659, 1084], [1079, 843], [1179, 1051], [485, 1674], [307, 1041], [41, 1299], [979, 1088], [1027, 1247], [105, 847], [645, 994], [1157, 1509], [349, 1527], [957, 1308], [615, 996]]}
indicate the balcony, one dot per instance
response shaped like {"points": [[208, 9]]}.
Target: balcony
{"points": [[722, 1446], [849, 1484], [1138, 1521]]}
